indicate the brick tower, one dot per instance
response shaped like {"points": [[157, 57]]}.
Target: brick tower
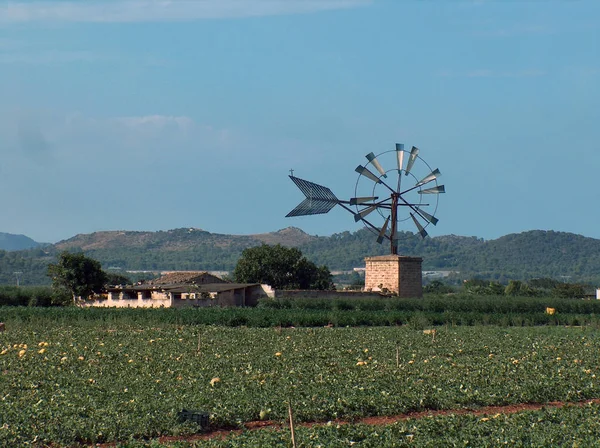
{"points": [[398, 274]]}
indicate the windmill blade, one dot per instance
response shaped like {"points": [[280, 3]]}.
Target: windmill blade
{"points": [[431, 176], [356, 201], [360, 215], [433, 190], [421, 229], [432, 219], [383, 230], [400, 156], [365, 172], [371, 158], [414, 152], [319, 199]]}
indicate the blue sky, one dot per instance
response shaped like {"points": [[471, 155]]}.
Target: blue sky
{"points": [[153, 115]]}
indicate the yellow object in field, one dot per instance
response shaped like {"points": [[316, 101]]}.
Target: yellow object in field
{"points": [[550, 310]]}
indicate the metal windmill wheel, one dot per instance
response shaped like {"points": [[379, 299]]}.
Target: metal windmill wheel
{"points": [[408, 191]]}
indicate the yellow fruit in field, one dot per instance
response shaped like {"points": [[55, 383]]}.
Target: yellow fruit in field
{"points": [[278, 354], [214, 381], [22, 353]]}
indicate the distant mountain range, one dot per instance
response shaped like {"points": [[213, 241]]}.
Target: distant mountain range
{"points": [[532, 254], [9, 242]]}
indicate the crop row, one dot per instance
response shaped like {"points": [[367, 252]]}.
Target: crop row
{"points": [[568, 426], [310, 313], [104, 382]]}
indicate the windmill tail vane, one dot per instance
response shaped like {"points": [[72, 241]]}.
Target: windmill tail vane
{"points": [[319, 199], [386, 184]]}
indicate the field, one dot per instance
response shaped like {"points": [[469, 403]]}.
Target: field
{"points": [[89, 377]]}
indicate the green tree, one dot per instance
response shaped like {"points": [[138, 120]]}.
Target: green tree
{"points": [[79, 275], [112, 278], [568, 291], [543, 283], [282, 268], [437, 287]]}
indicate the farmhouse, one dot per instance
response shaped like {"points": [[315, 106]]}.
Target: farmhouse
{"points": [[181, 290]]}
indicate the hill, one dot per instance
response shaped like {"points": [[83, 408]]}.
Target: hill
{"points": [[526, 255], [183, 249], [10, 242]]}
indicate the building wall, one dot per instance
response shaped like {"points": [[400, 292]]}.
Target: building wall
{"points": [[188, 303], [242, 296], [382, 273], [398, 274], [125, 301]]}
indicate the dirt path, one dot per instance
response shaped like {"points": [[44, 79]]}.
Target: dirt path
{"points": [[257, 425]]}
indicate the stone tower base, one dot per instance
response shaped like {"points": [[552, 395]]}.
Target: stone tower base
{"points": [[398, 274]]}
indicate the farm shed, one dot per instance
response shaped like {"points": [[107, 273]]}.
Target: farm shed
{"points": [[181, 290]]}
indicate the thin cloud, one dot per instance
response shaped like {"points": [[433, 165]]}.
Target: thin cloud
{"points": [[31, 139], [161, 10], [488, 73], [530, 73], [47, 57], [8, 44], [516, 30], [155, 121]]}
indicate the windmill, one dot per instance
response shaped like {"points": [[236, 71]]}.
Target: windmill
{"points": [[392, 187]]}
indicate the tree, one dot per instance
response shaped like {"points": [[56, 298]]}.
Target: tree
{"points": [[282, 268], [79, 275], [437, 287], [568, 291], [112, 278]]}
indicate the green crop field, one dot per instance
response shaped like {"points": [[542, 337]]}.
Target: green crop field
{"points": [[88, 381]]}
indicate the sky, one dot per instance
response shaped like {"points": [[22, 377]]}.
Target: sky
{"points": [[158, 114]]}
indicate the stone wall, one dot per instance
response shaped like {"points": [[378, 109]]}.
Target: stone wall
{"points": [[317, 294], [398, 274]]}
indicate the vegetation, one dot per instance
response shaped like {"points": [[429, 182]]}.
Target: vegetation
{"points": [[33, 296], [282, 268], [79, 275], [33, 265], [54, 371], [458, 310], [567, 426], [515, 288], [524, 256]]}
